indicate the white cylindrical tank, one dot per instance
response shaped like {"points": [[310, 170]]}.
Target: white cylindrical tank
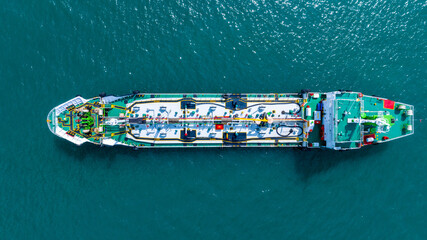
{"points": [[308, 111], [401, 107]]}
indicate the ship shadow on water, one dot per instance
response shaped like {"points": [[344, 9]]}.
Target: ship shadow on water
{"points": [[311, 162], [307, 163], [91, 152]]}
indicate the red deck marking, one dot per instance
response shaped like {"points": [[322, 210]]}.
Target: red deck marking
{"points": [[219, 126], [388, 104], [366, 137]]}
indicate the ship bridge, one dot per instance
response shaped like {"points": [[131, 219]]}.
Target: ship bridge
{"points": [[352, 120]]}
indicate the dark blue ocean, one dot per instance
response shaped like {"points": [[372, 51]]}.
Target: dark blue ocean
{"points": [[53, 50]]}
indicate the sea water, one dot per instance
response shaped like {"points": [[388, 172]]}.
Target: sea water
{"points": [[53, 50]]}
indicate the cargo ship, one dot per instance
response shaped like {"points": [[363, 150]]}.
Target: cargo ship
{"points": [[339, 120]]}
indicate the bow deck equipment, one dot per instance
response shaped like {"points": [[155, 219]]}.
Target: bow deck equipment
{"points": [[337, 120]]}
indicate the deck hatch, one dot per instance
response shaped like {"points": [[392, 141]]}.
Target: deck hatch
{"points": [[234, 138], [188, 104], [236, 102], [188, 135]]}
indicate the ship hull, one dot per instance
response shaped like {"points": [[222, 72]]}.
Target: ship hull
{"points": [[306, 119]]}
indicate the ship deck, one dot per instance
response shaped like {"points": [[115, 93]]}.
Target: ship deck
{"points": [[180, 120], [337, 120], [353, 106], [216, 121]]}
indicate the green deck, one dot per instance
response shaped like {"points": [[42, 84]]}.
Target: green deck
{"points": [[352, 106]]}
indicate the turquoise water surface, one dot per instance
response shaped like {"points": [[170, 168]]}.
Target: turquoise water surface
{"points": [[52, 50]]}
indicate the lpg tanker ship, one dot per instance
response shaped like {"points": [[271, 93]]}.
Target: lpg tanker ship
{"points": [[339, 120]]}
